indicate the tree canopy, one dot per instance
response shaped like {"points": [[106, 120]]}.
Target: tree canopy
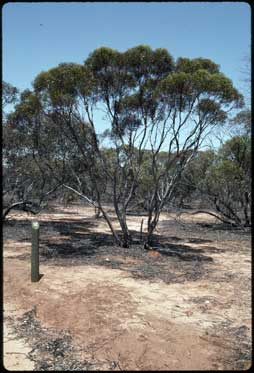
{"points": [[158, 110]]}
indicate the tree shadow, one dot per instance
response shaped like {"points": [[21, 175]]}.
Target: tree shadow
{"points": [[70, 242], [57, 210], [69, 238], [219, 226], [63, 237], [199, 240], [210, 231], [184, 252]]}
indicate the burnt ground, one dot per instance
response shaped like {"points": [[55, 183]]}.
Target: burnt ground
{"points": [[199, 272]]}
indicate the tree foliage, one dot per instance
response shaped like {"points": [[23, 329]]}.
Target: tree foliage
{"points": [[159, 111], [9, 94], [222, 179]]}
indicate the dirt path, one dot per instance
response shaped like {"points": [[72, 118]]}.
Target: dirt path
{"points": [[131, 323]]}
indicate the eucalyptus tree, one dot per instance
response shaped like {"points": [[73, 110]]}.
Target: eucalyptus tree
{"points": [[31, 151], [67, 95], [175, 114], [121, 79], [152, 104], [71, 93], [226, 183], [14, 185], [221, 179]]}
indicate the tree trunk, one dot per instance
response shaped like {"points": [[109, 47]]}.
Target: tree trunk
{"points": [[106, 217], [153, 219], [151, 225], [126, 239], [97, 212]]}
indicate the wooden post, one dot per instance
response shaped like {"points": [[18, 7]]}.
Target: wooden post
{"points": [[141, 230], [35, 276]]}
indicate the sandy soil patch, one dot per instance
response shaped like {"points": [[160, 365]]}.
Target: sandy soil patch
{"points": [[126, 322]]}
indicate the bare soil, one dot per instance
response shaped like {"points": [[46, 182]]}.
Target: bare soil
{"points": [[184, 306]]}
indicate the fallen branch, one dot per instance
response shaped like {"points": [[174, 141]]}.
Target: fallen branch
{"points": [[214, 215], [98, 206], [24, 205], [91, 202]]}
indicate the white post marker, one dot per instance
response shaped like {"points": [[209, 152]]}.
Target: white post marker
{"points": [[35, 276]]}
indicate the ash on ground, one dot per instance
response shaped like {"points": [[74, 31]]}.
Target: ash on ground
{"points": [[52, 349]]}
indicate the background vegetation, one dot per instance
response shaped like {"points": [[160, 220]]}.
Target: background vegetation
{"points": [[160, 113]]}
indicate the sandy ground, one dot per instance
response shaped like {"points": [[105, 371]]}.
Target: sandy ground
{"points": [[132, 323], [15, 352]]}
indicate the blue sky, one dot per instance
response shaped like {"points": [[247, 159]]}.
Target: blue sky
{"points": [[70, 31]]}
